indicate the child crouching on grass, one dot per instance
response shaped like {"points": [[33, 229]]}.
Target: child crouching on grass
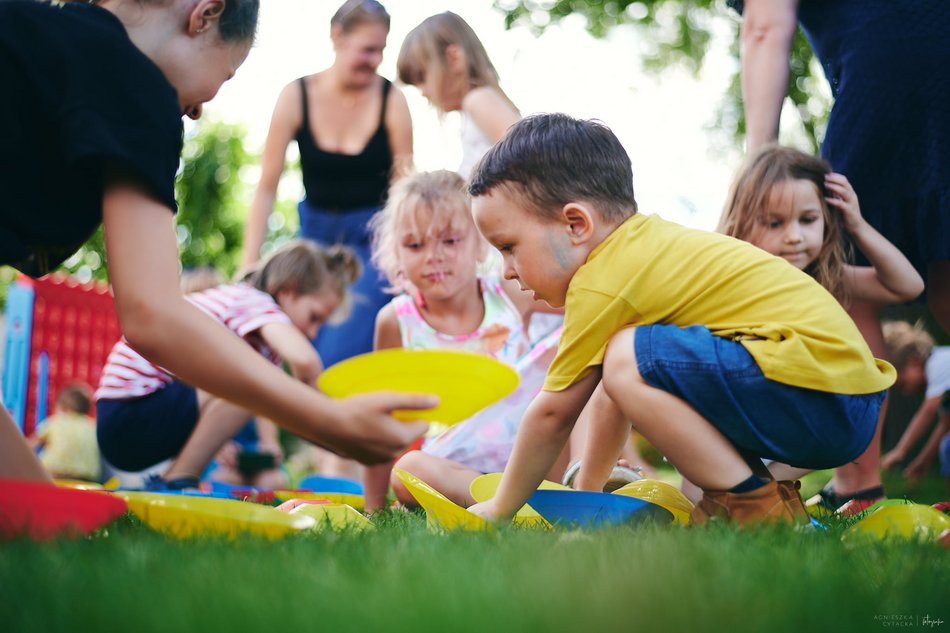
{"points": [[712, 348]]}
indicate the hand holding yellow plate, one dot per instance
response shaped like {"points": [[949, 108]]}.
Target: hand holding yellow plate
{"points": [[465, 382]]}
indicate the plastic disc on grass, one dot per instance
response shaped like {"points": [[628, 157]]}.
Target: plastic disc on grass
{"points": [[357, 502], [662, 494], [43, 511], [465, 382], [912, 522], [334, 516], [441, 513], [184, 516], [595, 509], [485, 486]]}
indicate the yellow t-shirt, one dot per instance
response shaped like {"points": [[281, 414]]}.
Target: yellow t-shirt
{"points": [[653, 271], [71, 449]]}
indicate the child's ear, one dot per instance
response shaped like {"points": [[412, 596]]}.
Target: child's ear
{"points": [[578, 222], [204, 15], [455, 58]]}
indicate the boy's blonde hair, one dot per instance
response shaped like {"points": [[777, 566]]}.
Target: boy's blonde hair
{"points": [[302, 267], [440, 196], [905, 341], [747, 206], [423, 53]]}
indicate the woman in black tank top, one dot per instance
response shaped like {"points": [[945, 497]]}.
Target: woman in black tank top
{"points": [[353, 130]]}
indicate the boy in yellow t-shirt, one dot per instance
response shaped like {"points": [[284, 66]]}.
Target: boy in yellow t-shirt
{"points": [[712, 348]]}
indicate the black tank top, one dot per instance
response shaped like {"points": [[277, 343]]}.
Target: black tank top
{"points": [[344, 182]]}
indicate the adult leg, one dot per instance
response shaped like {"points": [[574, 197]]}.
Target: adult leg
{"points": [[17, 459]]}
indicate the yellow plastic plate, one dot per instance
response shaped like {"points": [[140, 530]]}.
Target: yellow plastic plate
{"points": [[441, 513], [661, 494], [485, 486], [78, 484], [184, 516], [334, 516], [357, 502], [913, 522], [465, 382]]}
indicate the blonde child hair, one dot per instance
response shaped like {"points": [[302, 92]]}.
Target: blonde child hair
{"points": [[748, 203], [425, 203], [303, 267], [423, 54], [905, 341]]}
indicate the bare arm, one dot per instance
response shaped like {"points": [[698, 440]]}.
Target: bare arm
{"points": [[768, 28], [890, 278], [921, 464], [399, 127], [169, 331], [286, 120], [387, 333], [491, 111], [915, 429], [544, 430], [294, 349]]}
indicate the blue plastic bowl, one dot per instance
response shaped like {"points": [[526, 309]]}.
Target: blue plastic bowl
{"points": [[320, 483], [579, 508]]}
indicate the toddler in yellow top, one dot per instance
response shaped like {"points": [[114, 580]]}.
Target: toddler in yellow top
{"points": [[67, 439], [712, 348]]}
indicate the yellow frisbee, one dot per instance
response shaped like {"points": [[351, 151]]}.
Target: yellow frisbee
{"points": [[485, 486], [183, 516], [441, 513], [465, 382], [662, 494]]}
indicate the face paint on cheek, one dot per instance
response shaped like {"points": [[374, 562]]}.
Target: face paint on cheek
{"points": [[558, 251]]}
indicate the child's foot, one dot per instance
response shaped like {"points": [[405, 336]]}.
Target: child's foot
{"points": [[846, 505], [774, 502], [620, 476]]}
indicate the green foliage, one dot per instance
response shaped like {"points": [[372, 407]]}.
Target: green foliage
{"points": [[679, 33]]}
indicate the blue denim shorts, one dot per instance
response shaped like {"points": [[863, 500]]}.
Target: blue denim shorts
{"points": [[136, 433], [720, 379]]}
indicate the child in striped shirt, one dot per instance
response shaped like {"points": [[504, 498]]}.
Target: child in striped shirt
{"points": [[146, 415]]}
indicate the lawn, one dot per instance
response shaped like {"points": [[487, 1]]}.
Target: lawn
{"points": [[400, 577]]}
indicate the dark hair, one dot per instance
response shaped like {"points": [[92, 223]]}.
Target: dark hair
{"points": [[238, 22], [76, 397], [355, 12], [553, 159]]}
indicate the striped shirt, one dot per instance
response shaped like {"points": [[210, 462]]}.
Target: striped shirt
{"points": [[239, 307]]}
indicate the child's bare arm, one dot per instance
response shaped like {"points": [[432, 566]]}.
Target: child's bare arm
{"points": [[921, 464], [544, 430], [387, 334], [890, 278], [491, 111], [917, 426], [294, 349], [166, 329]]}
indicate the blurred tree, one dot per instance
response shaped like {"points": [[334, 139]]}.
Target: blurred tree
{"points": [[680, 33]]}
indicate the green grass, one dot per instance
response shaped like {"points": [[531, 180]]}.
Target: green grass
{"points": [[402, 578]]}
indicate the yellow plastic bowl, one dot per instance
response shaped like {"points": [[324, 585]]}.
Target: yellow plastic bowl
{"points": [[912, 522], [441, 513], [485, 486], [185, 517], [465, 382], [662, 494]]}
